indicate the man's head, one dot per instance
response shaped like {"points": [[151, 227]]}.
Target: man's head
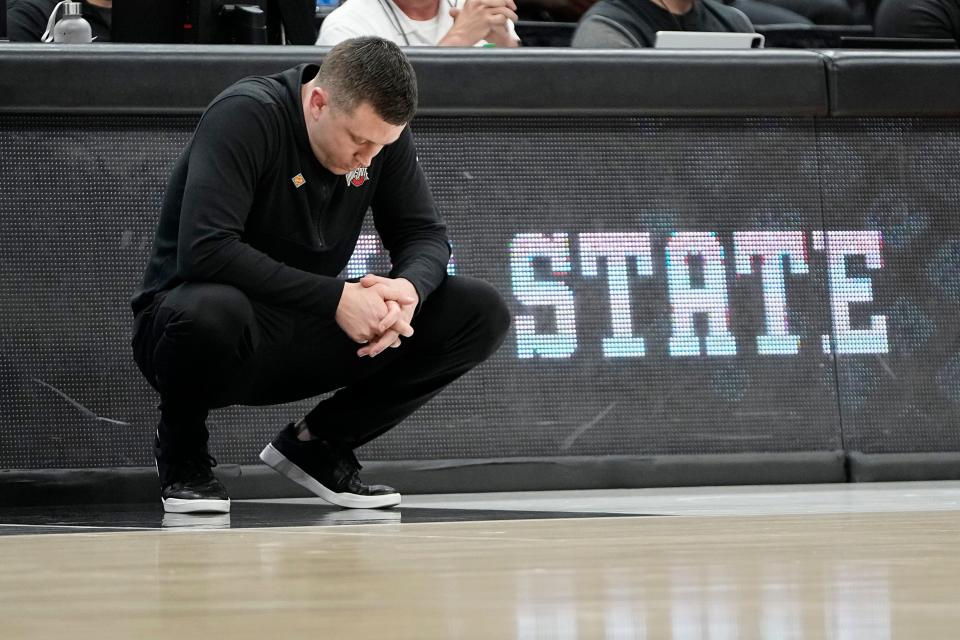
{"points": [[363, 97]]}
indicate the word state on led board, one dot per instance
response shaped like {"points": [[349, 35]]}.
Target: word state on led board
{"points": [[763, 253]]}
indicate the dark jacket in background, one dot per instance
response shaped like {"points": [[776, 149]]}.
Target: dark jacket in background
{"points": [[918, 19]]}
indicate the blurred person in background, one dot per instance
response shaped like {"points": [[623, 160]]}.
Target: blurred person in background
{"points": [[424, 23], [618, 24]]}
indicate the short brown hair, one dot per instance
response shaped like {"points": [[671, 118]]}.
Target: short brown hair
{"points": [[371, 70]]}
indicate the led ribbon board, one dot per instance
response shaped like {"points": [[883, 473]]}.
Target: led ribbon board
{"points": [[677, 286]]}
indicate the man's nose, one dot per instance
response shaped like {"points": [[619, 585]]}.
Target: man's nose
{"points": [[365, 156]]}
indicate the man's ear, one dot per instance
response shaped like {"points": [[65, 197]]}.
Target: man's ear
{"points": [[319, 98]]}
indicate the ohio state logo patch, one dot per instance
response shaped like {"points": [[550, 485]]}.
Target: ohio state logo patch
{"points": [[357, 177]]}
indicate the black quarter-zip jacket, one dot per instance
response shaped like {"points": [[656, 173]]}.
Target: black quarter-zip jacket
{"points": [[249, 205]]}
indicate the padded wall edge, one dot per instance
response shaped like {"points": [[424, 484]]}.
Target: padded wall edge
{"points": [[892, 83], [897, 467], [115, 78], [139, 484]]}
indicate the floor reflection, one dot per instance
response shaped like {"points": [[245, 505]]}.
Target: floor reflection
{"points": [[717, 602], [243, 515], [838, 577]]}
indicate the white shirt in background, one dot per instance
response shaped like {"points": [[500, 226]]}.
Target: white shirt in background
{"points": [[355, 18]]}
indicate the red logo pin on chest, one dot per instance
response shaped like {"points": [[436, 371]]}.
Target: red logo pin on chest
{"points": [[357, 177]]}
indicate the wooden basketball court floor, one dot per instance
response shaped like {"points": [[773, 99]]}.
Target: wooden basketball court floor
{"points": [[868, 561]]}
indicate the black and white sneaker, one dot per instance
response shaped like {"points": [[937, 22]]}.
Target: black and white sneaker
{"points": [[328, 471], [187, 484]]}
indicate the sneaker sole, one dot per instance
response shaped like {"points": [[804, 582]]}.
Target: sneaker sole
{"points": [[179, 505], [279, 462]]}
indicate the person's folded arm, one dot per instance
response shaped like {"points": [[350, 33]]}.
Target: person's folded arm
{"points": [[232, 147], [408, 221]]}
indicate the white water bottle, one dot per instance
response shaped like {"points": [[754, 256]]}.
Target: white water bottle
{"points": [[72, 28]]}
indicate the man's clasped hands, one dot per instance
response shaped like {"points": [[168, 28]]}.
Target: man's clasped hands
{"points": [[376, 312]]}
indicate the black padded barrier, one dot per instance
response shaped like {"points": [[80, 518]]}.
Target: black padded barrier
{"points": [[155, 79], [894, 83], [621, 202]]}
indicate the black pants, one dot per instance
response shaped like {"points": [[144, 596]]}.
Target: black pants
{"points": [[204, 346]]}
